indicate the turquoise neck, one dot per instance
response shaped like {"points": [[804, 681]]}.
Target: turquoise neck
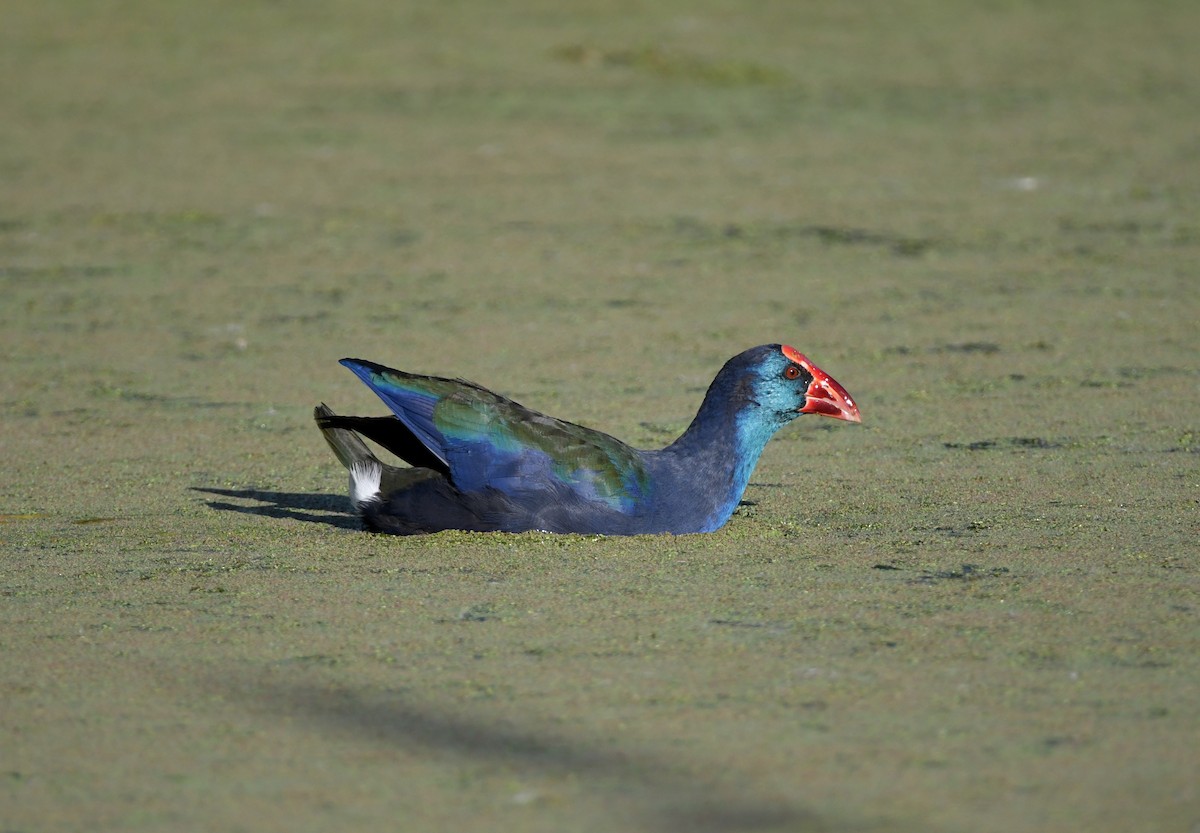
{"points": [[723, 454]]}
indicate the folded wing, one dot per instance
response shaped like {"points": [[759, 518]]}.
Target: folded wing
{"points": [[487, 441]]}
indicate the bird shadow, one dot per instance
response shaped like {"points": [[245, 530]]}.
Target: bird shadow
{"points": [[656, 794], [298, 506]]}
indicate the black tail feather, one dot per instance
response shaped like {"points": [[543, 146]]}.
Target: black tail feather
{"points": [[389, 432], [355, 455]]}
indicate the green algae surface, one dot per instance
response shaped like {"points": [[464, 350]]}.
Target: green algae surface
{"points": [[977, 611]]}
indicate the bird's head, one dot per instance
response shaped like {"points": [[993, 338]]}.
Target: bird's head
{"points": [[782, 381]]}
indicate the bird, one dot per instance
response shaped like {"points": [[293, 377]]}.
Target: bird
{"points": [[480, 462]]}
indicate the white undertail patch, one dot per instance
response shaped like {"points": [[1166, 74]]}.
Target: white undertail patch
{"points": [[365, 477]]}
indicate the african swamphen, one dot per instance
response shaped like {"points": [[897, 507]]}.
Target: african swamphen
{"points": [[484, 463]]}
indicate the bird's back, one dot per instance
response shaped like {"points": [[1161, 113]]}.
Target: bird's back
{"points": [[503, 456]]}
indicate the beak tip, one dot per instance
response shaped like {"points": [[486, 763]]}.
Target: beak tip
{"points": [[825, 395]]}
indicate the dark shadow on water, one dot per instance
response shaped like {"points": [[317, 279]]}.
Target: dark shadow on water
{"points": [[298, 506], [654, 794]]}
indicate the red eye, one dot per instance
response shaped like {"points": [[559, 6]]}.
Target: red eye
{"points": [[791, 372]]}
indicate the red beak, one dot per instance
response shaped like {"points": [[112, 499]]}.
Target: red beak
{"points": [[825, 396]]}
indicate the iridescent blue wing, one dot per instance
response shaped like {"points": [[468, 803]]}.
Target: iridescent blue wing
{"points": [[486, 440]]}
